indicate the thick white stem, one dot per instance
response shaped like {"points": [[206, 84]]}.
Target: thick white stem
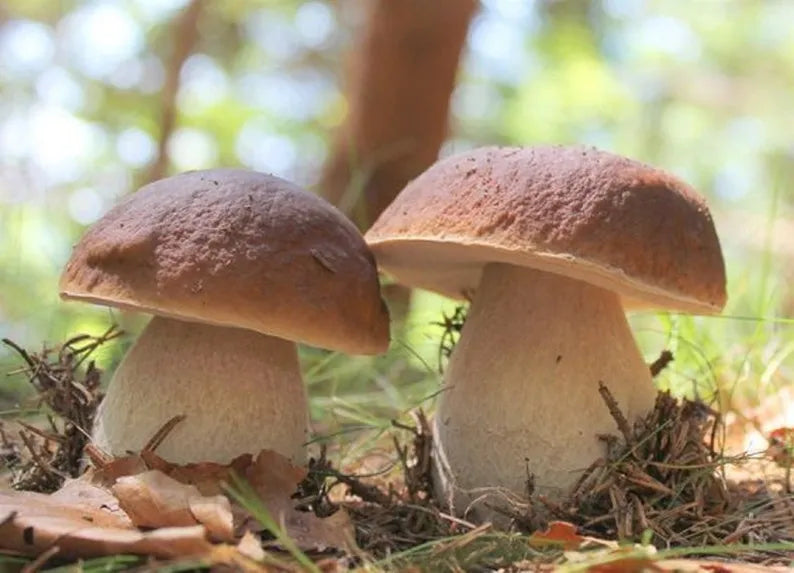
{"points": [[240, 390], [522, 386]]}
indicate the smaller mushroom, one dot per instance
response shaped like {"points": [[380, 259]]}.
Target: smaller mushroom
{"points": [[552, 243], [236, 266]]}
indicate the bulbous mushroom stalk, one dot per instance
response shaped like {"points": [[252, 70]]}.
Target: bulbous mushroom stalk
{"points": [[554, 242], [236, 266], [521, 388], [241, 391]]}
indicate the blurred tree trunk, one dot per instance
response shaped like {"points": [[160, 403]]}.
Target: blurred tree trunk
{"points": [[183, 40], [401, 74]]}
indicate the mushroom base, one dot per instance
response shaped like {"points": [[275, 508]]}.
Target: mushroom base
{"points": [[240, 391], [522, 388]]}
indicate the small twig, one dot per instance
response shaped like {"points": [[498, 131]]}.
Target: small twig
{"points": [[639, 512], [162, 433], [588, 478], [617, 415], [50, 437], [113, 332], [401, 426], [4, 441], [554, 507], [643, 480], [598, 520], [742, 529], [665, 358], [98, 458], [40, 560], [366, 492], [21, 351], [445, 516], [37, 459], [452, 325], [463, 540]]}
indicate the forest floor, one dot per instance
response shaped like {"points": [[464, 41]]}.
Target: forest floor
{"points": [[666, 497]]}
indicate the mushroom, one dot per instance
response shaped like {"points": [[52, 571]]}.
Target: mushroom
{"points": [[551, 243], [234, 265]]}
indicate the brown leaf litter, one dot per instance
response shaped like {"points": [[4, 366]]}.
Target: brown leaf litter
{"points": [[661, 475], [147, 506]]}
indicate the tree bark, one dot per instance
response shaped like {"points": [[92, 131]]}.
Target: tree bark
{"points": [[185, 35], [401, 75]]}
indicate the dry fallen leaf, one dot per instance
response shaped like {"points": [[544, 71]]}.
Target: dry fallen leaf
{"points": [[42, 505], [209, 477], [109, 472], [82, 494], [152, 499], [781, 447], [100, 513], [251, 547], [41, 521], [559, 534], [275, 479], [215, 513]]}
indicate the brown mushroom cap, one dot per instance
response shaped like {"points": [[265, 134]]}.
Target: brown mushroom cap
{"points": [[235, 248], [576, 211]]}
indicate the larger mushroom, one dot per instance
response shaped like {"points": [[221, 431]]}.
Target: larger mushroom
{"points": [[235, 265], [552, 243]]}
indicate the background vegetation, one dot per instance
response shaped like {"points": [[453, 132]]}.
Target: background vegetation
{"points": [[92, 105]]}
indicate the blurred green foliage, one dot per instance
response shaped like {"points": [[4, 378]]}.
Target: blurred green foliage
{"points": [[702, 88]]}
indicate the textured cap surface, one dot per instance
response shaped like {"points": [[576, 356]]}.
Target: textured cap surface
{"points": [[577, 211], [235, 248]]}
